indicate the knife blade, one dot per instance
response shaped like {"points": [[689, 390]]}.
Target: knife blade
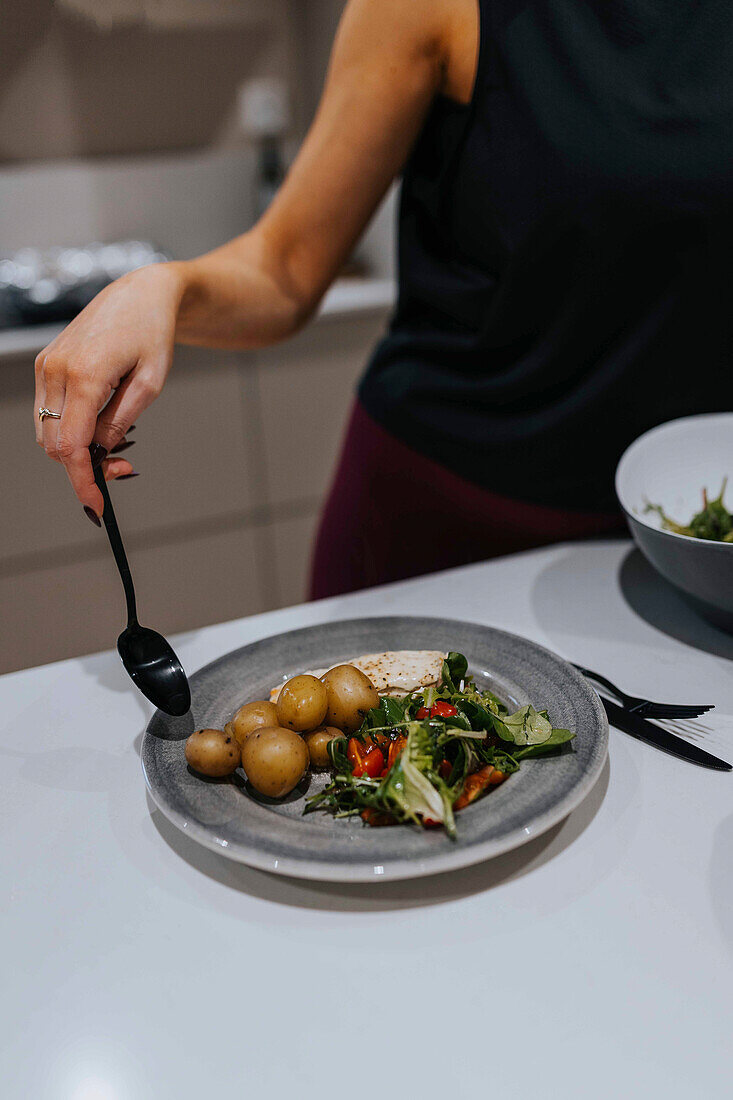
{"points": [[662, 739]]}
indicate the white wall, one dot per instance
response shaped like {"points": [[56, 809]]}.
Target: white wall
{"points": [[104, 151]]}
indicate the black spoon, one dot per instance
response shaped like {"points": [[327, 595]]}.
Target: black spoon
{"points": [[146, 655]]}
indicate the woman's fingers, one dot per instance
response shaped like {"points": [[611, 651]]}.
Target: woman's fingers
{"points": [[69, 439], [39, 398], [138, 390], [54, 400], [76, 429], [115, 468]]}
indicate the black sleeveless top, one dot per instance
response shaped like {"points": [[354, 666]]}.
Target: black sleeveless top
{"points": [[566, 246]]}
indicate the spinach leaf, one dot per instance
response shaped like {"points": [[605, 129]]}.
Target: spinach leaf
{"points": [[455, 668], [526, 727], [479, 717], [556, 738]]}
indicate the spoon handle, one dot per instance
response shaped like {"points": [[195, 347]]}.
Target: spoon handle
{"points": [[115, 541]]}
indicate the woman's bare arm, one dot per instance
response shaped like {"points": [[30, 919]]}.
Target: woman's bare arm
{"points": [[109, 364], [386, 66]]}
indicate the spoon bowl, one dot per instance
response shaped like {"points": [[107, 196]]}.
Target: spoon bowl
{"points": [[155, 669]]}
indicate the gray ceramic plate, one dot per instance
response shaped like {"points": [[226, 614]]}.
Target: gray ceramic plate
{"points": [[226, 816]]}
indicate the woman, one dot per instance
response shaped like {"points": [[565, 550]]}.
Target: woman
{"points": [[564, 245]]}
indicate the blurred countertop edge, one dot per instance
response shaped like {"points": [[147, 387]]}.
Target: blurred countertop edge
{"points": [[348, 297]]}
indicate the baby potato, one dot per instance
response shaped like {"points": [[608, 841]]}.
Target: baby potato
{"points": [[275, 760], [350, 695], [317, 742], [252, 716], [301, 704], [212, 752]]}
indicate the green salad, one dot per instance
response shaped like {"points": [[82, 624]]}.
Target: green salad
{"points": [[422, 757], [714, 522]]}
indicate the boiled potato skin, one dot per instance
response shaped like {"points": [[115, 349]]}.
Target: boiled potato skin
{"points": [[213, 753], [317, 743], [350, 695], [275, 760], [301, 704], [252, 716]]}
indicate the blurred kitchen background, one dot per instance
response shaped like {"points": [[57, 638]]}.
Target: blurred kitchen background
{"points": [[160, 126]]}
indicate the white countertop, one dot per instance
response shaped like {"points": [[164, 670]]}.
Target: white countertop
{"points": [[593, 962], [348, 297]]}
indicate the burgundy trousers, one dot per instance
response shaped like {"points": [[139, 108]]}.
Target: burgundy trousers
{"points": [[393, 513]]}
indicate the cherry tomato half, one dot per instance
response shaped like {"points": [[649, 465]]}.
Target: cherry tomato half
{"points": [[373, 765], [364, 759], [442, 709]]}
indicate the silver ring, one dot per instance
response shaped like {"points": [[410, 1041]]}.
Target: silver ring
{"points": [[43, 413]]}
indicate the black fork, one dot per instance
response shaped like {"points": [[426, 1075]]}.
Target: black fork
{"points": [[645, 707]]}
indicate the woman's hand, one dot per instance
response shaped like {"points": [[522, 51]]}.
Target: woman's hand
{"points": [[100, 373]]}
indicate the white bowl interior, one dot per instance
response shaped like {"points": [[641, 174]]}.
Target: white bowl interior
{"points": [[670, 465]]}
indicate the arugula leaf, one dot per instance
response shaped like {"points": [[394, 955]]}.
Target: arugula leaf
{"points": [[488, 754], [463, 762], [337, 752], [390, 712], [395, 710], [526, 727], [713, 522], [556, 738]]}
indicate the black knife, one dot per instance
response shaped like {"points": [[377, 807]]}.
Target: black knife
{"points": [[660, 738]]}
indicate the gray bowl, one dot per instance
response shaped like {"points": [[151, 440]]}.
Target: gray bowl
{"points": [[670, 465]]}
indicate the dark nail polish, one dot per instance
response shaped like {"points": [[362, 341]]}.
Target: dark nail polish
{"points": [[131, 429], [97, 453], [122, 446], [92, 515], [126, 477]]}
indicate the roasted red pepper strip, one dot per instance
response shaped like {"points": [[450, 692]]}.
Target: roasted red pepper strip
{"points": [[355, 752], [422, 713], [395, 749], [476, 783], [445, 769], [377, 817]]}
